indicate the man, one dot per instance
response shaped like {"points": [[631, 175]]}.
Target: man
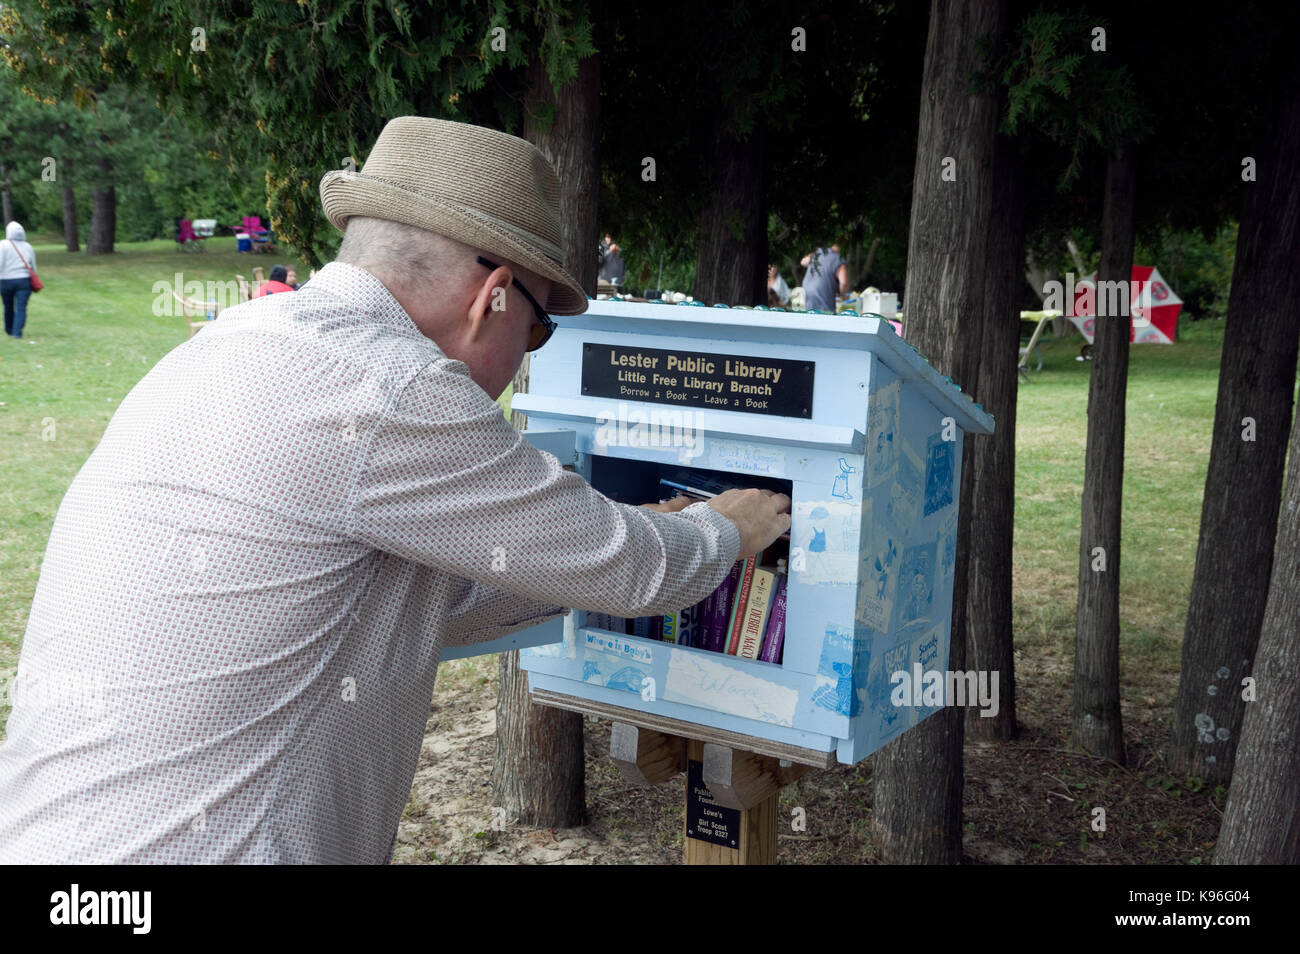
{"points": [[612, 267], [277, 281], [234, 639], [827, 275]]}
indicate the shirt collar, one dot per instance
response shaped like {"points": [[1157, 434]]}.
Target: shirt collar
{"points": [[360, 288]]}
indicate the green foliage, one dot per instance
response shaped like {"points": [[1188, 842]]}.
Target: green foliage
{"points": [[1057, 87], [1197, 267], [838, 124], [297, 87], [161, 168]]}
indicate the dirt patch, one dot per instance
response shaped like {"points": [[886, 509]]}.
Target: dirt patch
{"points": [[1026, 801]]}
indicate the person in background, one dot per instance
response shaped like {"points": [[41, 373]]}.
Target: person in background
{"points": [[612, 268], [292, 278], [778, 292], [826, 277], [276, 282], [16, 257]]}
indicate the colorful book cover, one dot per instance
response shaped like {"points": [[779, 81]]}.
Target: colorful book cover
{"points": [[690, 626], [756, 610], [774, 638], [736, 623], [672, 622], [716, 631]]}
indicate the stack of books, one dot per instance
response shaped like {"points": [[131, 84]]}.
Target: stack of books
{"points": [[744, 616]]}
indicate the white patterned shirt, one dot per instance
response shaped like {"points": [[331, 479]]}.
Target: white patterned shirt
{"points": [[231, 652]]}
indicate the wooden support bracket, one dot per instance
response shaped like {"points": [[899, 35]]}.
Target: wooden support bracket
{"points": [[644, 756], [742, 779]]}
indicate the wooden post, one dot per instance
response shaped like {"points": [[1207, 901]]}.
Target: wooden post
{"points": [[732, 793], [754, 825]]}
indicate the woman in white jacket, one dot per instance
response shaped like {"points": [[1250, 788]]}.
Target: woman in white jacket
{"points": [[16, 256]]}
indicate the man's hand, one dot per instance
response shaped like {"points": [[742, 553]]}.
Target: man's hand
{"points": [[760, 515]]}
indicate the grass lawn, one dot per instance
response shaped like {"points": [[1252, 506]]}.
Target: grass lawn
{"points": [[92, 334], [1169, 419]]}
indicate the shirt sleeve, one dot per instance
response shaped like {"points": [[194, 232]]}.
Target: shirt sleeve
{"points": [[482, 612], [449, 484]]}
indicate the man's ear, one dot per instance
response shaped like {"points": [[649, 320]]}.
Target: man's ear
{"points": [[489, 302]]}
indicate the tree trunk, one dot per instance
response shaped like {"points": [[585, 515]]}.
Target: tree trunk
{"points": [[1261, 822], [1096, 714], [1239, 511], [988, 620], [103, 215], [870, 261], [6, 200], [919, 776], [70, 236], [538, 775], [732, 264]]}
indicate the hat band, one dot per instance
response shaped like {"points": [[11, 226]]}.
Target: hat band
{"points": [[550, 249]]}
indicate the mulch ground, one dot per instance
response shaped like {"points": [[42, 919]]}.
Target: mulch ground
{"points": [[1027, 801]]}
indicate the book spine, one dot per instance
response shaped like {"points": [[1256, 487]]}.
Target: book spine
{"points": [[689, 623], [607, 621], [774, 638], [703, 614], [756, 609], [671, 626], [737, 621], [722, 597]]}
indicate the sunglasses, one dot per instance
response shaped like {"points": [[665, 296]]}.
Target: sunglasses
{"points": [[540, 333]]}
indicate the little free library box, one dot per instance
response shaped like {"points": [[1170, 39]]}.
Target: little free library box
{"points": [[838, 412]]}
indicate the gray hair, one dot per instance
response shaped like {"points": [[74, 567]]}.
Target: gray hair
{"points": [[411, 255]]}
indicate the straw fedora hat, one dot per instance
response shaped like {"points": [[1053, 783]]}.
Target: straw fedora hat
{"points": [[490, 190]]}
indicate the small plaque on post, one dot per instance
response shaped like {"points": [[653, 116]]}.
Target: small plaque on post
{"points": [[706, 820]]}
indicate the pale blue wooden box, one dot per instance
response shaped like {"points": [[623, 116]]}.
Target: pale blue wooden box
{"points": [[874, 468]]}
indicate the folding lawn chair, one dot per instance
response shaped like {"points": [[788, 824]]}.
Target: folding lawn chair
{"points": [[1031, 349]]}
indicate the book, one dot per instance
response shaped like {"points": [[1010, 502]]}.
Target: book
{"points": [[672, 622], [692, 626], [736, 622], [705, 611], [774, 637], [705, 485], [757, 605], [715, 632], [615, 624], [648, 627], [683, 627]]}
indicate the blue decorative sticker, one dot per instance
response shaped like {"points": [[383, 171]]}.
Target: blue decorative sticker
{"points": [[938, 474], [840, 486], [905, 495], [891, 719], [916, 587], [882, 423], [616, 663], [878, 580], [835, 671]]}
